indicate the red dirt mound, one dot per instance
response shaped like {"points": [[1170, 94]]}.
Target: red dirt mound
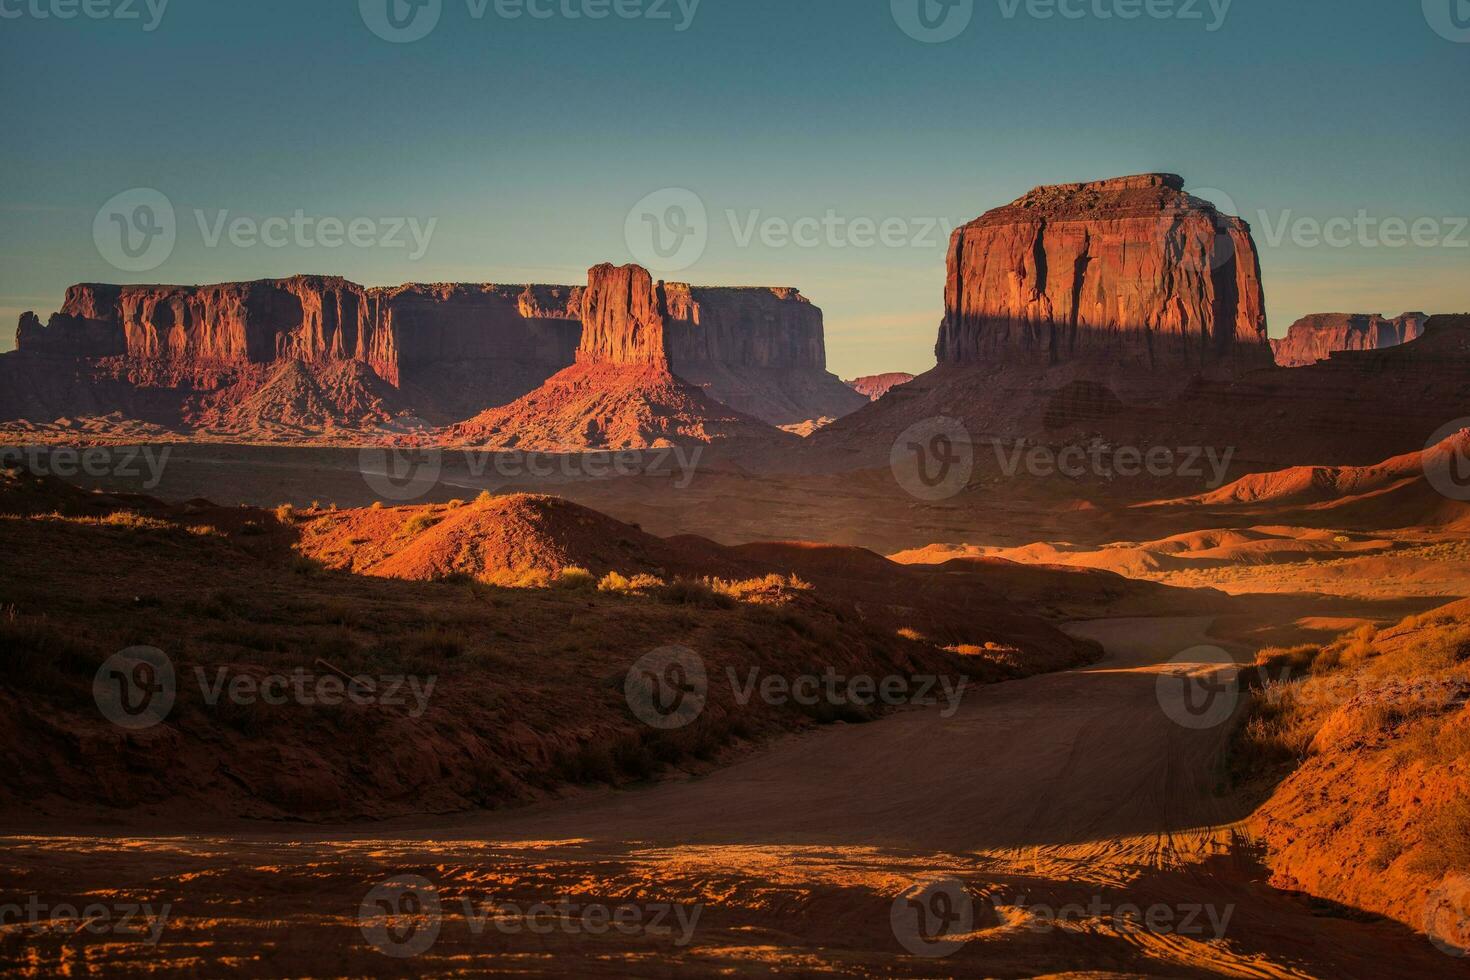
{"points": [[605, 406]]}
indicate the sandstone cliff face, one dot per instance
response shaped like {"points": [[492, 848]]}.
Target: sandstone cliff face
{"points": [[624, 318], [758, 350], [314, 319], [1131, 273], [449, 350], [1317, 337]]}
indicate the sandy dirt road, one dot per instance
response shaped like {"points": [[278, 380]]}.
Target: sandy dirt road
{"points": [[1065, 825]]}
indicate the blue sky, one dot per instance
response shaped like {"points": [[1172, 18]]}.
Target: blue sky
{"points": [[527, 141]]}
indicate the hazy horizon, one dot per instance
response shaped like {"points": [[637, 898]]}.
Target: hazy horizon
{"points": [[489, 131]]}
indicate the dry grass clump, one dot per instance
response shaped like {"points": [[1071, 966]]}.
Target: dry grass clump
{"points": [[621, 584], [1446, 839], [130, 519], [418, 524], [913, 634], [575, 579], [1402, 690], [285, 513], [485, 499], [769, 588]]}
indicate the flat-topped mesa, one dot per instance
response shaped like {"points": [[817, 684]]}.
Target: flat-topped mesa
{"points": [[744, 326], [1318, 336], [1131, 275], [317, 319]]}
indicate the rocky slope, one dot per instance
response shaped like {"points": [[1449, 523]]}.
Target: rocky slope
{"points": [[1129, 274], [875, 386], [1317, 337]]}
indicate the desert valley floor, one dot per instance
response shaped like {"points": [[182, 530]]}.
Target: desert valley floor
{"points": [[1053, 800]]}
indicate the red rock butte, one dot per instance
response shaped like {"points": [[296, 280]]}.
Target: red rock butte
{"points": [[1132, 273]]}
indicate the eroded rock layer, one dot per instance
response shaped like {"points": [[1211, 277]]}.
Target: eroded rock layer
{"points": [[1317, 337], [1131, 274], [449, 350]]}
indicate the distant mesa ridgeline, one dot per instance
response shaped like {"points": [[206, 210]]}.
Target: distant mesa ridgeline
{"points": [[464, 346], [875, 386], [1131, 273], [1317, 337]]}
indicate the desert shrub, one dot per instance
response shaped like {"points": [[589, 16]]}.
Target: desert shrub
{"points": [[1278, 663], [285, 513], [695, 592], [513, 578], [418, 524], [316, 505], [436, 643], [614, 582], [1361, 647], [206, 531], [131, 519], [770, 587], [305, 567], [1446, 839], [377, 505], [485, 499], [574, 578], [913, 634], [455, 504]]}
